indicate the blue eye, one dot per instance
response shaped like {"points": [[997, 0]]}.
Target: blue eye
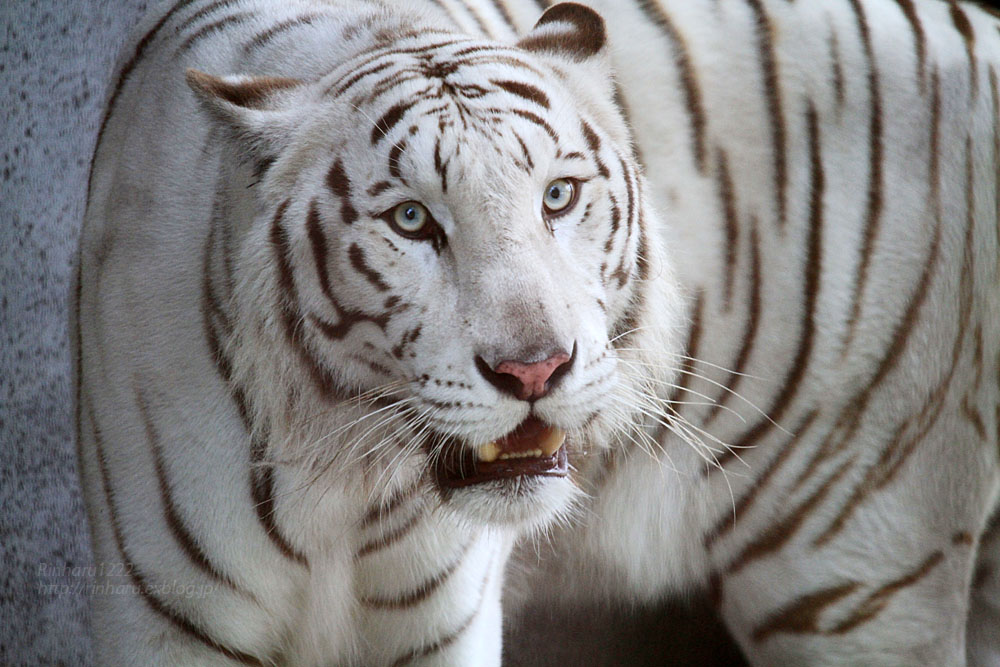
{"points": [[559, 197], [411, 218]]}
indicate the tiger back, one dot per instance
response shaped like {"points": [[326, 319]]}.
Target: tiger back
{"points": [[826, 174]]}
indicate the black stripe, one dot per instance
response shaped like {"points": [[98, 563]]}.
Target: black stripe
{"points": [[378, 188], [380, 510], [531, 117], [919, 38], [357, 258], [594, 143], [772, 92], [528, 164], [898, 450], [202, 13], [217, 26], [616, 216], [354, 73], [749, 331], [687, 76], [838, 70], [780, 530], [727, 199], [873, 213], [390, 537], [850, 418], [262, 38], [340, 185], [358, 75], [964, 26], [440, 165], [504, 14], [395, 153], [288, 307], [743, 504], [525, 91], [389, 120], [420, 592], [262, 485], [320, 252]]}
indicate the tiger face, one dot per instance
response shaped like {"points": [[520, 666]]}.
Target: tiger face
{"points": [[456, 231]]}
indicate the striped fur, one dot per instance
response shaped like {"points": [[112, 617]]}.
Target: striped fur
{"points": [[827, 176], [270, 369], [267, 372]]}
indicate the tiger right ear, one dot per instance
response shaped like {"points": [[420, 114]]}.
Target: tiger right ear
{"points": [[257, 111], [569, 30]]}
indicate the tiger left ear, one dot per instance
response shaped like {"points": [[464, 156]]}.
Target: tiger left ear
{"points": [[260, 112], [568, 30]]}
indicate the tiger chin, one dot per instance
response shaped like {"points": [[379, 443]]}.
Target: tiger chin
{"points": [[350, 325]]}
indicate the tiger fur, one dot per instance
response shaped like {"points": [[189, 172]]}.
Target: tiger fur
{"points": [[782, 330]]}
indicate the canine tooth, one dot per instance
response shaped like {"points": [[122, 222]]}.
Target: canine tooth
{"points": [[488, 452], [536, 453], [553, 441]]}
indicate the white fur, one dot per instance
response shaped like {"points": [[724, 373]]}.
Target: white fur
{"points": [[204, 209], [638, 519]]}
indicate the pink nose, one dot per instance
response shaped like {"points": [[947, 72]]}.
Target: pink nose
{"points": [[532, 380]]}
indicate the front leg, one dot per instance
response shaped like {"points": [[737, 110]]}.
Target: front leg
{"points": [[429, 591]]}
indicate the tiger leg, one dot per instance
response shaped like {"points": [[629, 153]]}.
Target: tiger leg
{"points": [[861, 564]]}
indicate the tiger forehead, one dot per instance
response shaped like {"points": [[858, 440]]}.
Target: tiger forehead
{"points": [[438, 59], [461, 75]]}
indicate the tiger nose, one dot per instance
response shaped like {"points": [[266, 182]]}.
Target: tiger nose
{"points": [[528, 381]]}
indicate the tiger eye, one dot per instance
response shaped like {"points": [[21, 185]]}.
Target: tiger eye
{"points": [[560, 195], [411, 218]]}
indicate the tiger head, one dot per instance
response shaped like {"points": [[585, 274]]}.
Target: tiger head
{"points": [[451, 267]]}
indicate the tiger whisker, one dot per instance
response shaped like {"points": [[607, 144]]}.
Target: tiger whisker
{"points": [[715, 383]]}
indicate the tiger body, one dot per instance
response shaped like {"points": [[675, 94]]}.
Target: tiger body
{"points": [[785, 326], [846, 157]]}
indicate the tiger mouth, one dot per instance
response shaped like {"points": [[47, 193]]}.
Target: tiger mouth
{"points": [[532, 449]]}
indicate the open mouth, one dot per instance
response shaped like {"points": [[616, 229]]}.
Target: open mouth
{"points": [[532, 449]]}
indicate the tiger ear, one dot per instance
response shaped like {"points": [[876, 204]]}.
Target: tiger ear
{"points": [[568, 30], [574, 39], [260, 112]]}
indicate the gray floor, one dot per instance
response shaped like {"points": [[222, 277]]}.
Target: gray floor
{"points": [[55, 62]]}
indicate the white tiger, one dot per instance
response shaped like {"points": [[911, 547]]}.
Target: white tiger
{"points": [[379, 289], [345, 324]]}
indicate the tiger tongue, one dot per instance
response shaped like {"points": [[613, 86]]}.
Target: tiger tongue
{"points": [[528, 436], [531, 439], [523, 438]]}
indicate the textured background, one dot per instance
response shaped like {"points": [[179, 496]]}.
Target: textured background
{"points": [[55, 62]]}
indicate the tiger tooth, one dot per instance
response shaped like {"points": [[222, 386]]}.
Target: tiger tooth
{"points": [[488, 453], [552, 442]]}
